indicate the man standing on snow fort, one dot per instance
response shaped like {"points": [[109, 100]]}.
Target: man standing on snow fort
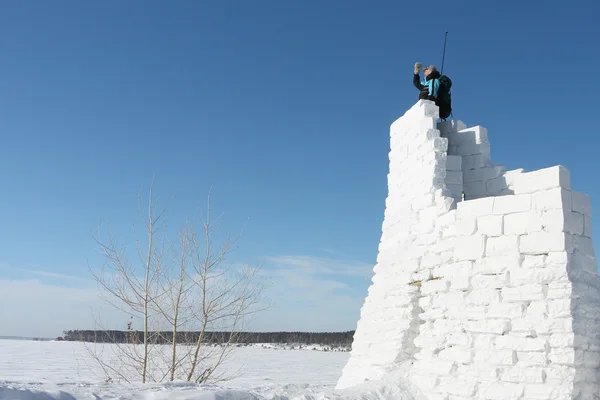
{"points": [[429, 87]]}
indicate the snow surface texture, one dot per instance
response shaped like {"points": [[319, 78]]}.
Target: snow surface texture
{"points": [[50, 370], [496, 296]]}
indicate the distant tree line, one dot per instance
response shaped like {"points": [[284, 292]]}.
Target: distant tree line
{"points": [[334, 339]]}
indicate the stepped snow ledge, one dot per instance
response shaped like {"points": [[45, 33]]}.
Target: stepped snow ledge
{"points": [[486, 283]]}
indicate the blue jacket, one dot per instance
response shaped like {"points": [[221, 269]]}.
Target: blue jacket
{"points": [[428, 87], [432, 86]]}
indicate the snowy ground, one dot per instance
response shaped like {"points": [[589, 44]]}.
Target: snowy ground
{"points": [[64, 371]]}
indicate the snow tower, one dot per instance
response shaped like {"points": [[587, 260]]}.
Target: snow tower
{"points": [[486, 283]]}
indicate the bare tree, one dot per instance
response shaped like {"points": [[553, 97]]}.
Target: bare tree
{"points": [[191, 289], [227, 295]]}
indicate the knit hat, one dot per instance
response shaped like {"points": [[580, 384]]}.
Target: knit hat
{"points": [[431, 68]]}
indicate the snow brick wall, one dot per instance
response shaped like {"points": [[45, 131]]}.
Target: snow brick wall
{"points": [[486, 283]]}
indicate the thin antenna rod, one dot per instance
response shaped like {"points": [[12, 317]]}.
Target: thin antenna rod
{"points": [[444, 54]]}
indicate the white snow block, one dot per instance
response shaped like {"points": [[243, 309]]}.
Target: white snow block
{"points": [[563, 221], [506, 310], [523, 293], [587, 226], [424, 382], [411, 123], [582, 244], [464, 386], [549, 274], [557, 198], [469, 248], [531, 358], [474, 135], [471, 148], [502, 245], [475, 208], [540, 392], [543, 242], [581, 203], [434, 286], [497, 281], [465, 225], [496, 185], [497, 264], [490, 225], [474, 190], [499, 358], [483, 174], [493, 326], [428, 109], [501, 390], [485, 373], [520, 343], [512, 204], [458, 354], [454, 163], [512, 175], [455, 190], [519, 374], [451, 126], [440, 367], [523, 222], [482, 297], [542, 179], [453, 178], [475, 161]]}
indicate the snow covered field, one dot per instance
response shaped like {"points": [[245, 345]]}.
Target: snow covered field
{"points": [[65, 371]]}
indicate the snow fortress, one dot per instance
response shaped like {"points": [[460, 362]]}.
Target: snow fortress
{"points": [[486, 283]]}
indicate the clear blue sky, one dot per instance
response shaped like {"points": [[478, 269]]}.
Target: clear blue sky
{"points": [[283, 106]]}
